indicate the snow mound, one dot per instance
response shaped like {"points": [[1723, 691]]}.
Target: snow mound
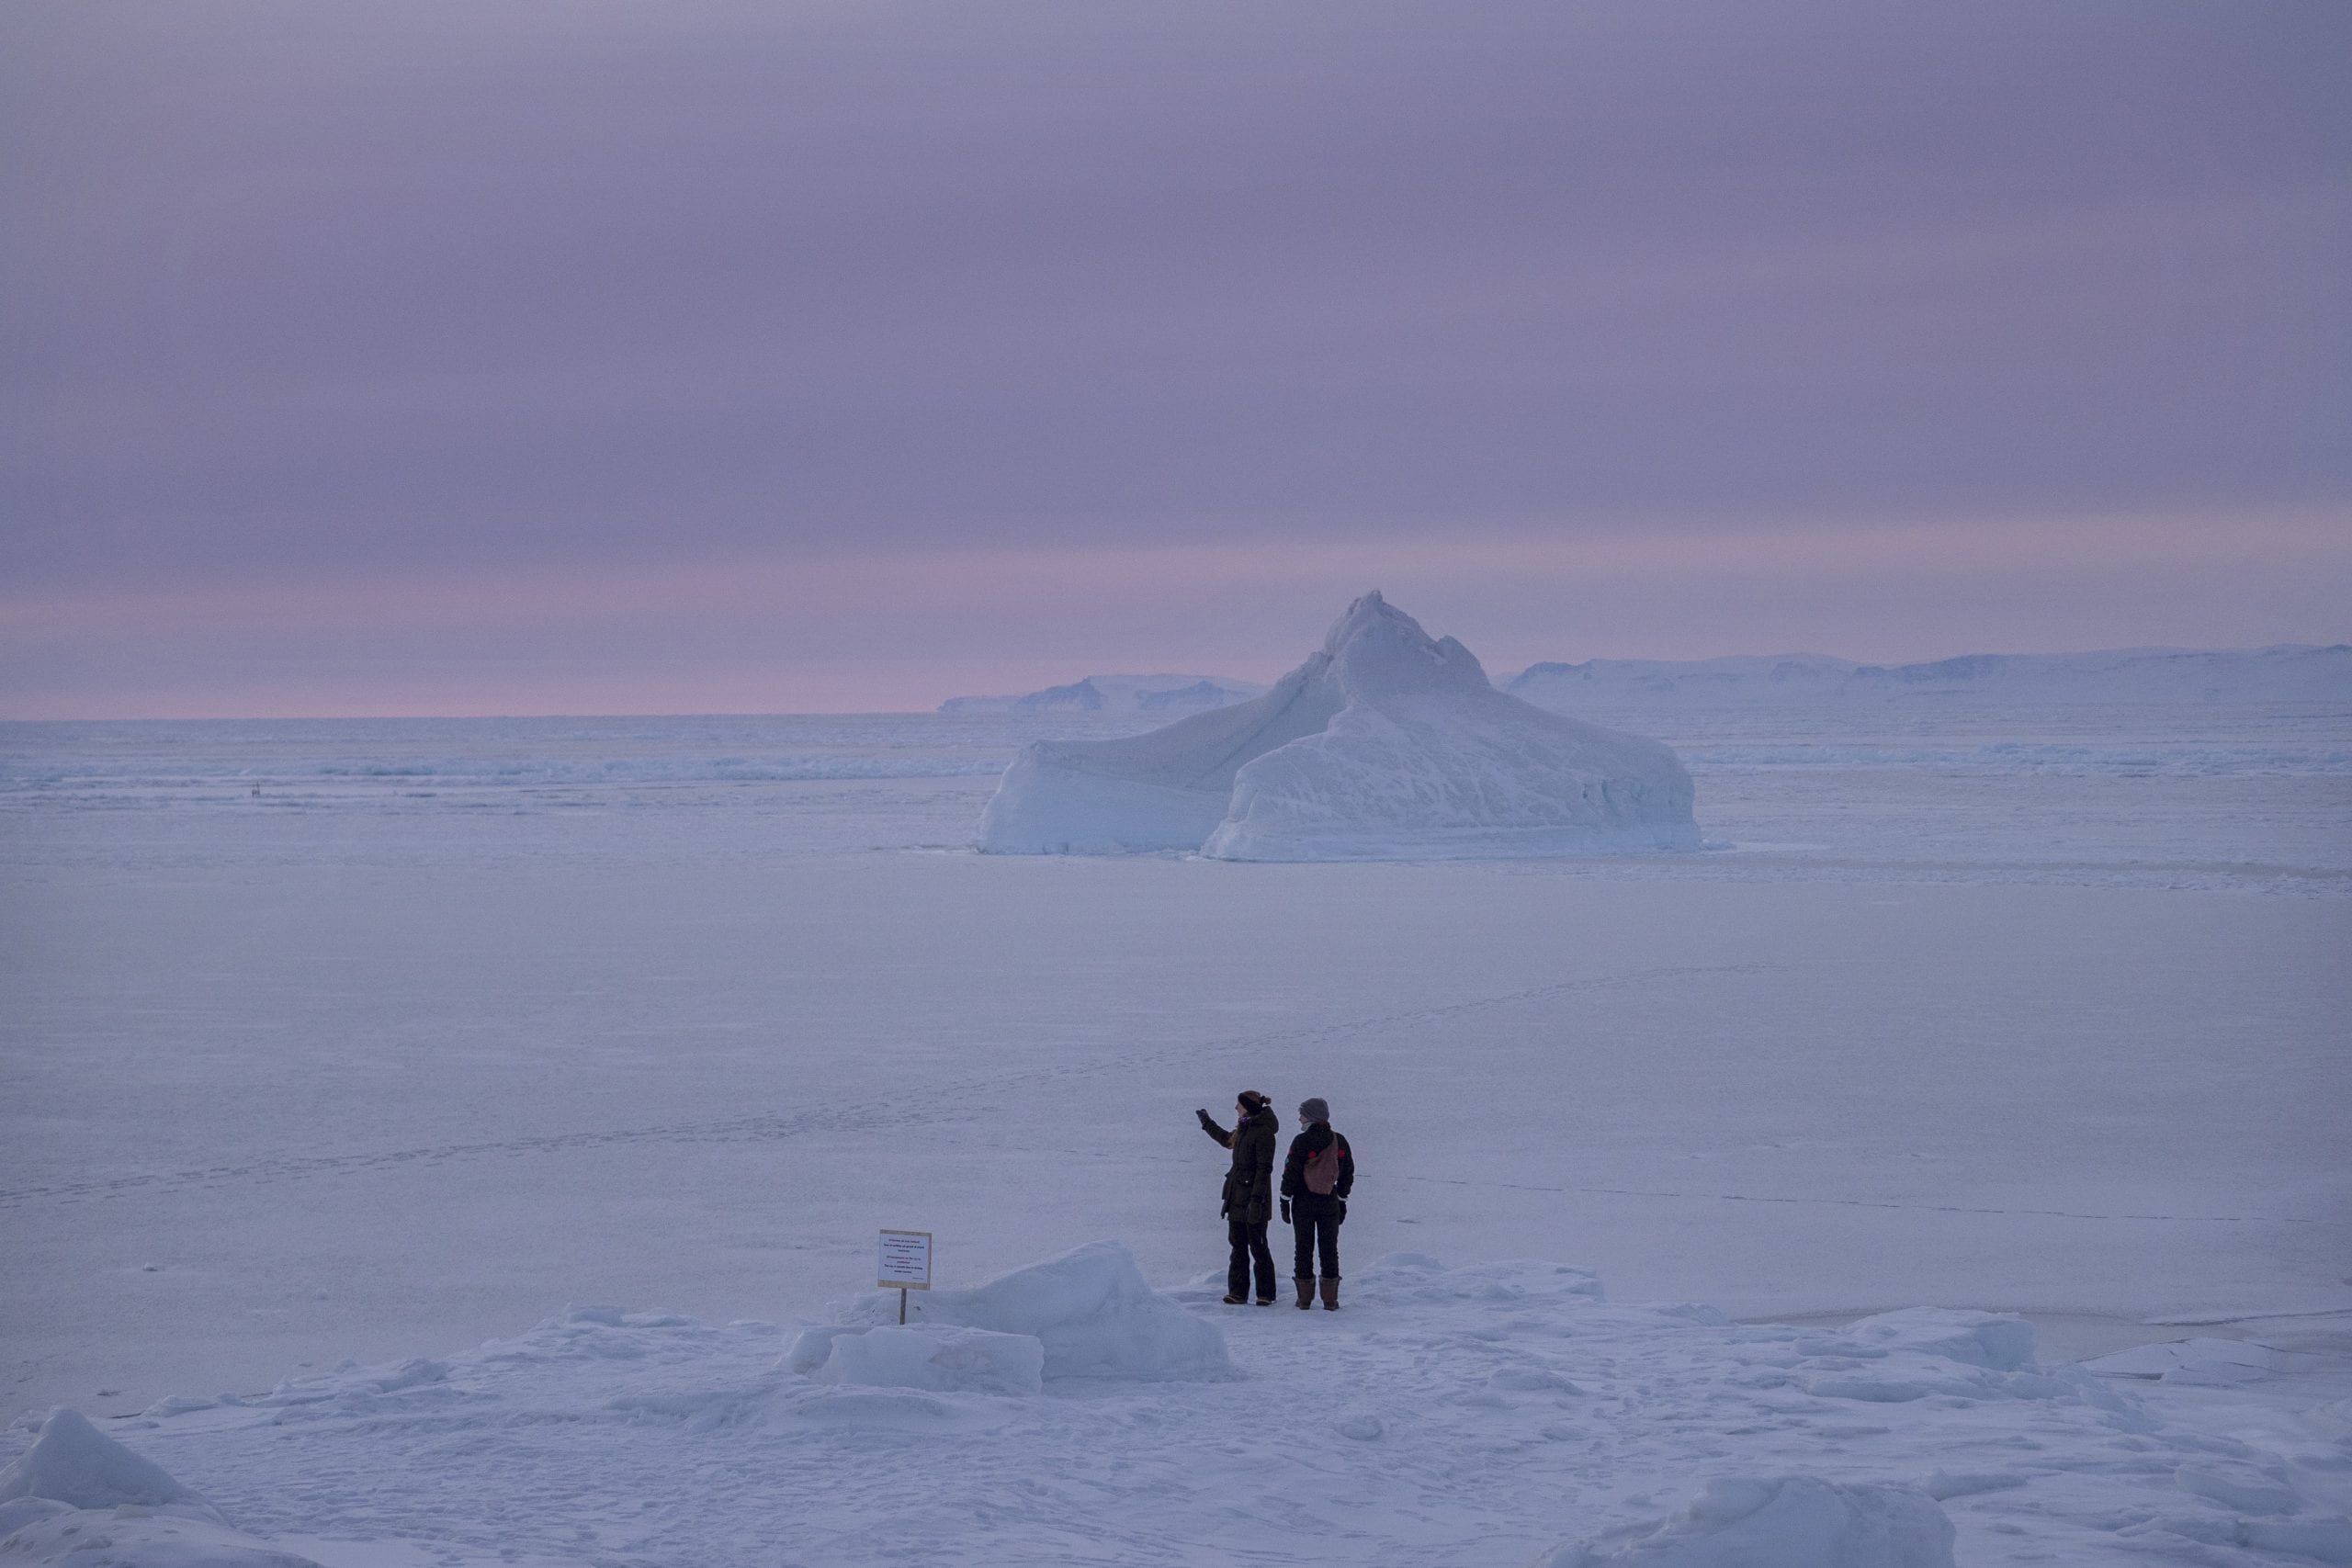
{"points": [[2001, 1341], [351, 1383], [2241, 1488], [1385, 744], [1090, 1310], [583, 1334], [938, 1357], [79, 1499], [75, 1464], [1780, 1523], [73, 1539]]}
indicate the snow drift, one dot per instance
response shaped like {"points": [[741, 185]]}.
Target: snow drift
{"points": [[1090, 1311], [1794, 1519], [75, 1464], [1385, 745], [1453, 1417], [940, 1357], [79, 1499]]}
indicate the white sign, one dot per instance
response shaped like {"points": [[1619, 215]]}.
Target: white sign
{"points": [[905, 1260]]}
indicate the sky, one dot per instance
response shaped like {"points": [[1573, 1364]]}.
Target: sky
{"points": [[493, 357]]}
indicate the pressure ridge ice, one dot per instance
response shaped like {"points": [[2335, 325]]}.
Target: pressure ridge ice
{"points": [[1498, 1412], [1385, 744], [1088, 1314]]}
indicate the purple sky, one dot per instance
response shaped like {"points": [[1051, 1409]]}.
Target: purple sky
{"points": [[572, 357]]}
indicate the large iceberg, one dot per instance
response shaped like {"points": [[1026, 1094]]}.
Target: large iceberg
{"points": [[1385, 745]]}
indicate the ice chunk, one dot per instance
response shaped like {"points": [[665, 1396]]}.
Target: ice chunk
{"points": [[1794, 1519], [79, 1499], [1870, 1391], [351, 1381], [75, 1464], [1943, 1484], [938, 1357], [1091, 1311], [2239, 1486], [2198, 1360], [2002, 1341], [1385, 744], [813, 1347]]}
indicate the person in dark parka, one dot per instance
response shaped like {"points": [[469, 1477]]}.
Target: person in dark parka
{"points": [[1316, 1178], [1248, 1194]]}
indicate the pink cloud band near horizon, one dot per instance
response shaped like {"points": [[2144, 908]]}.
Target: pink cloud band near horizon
{"points": [[897, 630]]}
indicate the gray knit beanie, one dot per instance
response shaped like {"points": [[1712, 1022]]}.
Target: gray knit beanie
{"points": [[1313, 1111]]}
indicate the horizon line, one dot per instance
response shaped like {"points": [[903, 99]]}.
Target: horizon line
{"points": [[408, 716]]}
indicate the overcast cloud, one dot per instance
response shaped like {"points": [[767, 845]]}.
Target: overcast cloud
{"points": [[576, 357]]}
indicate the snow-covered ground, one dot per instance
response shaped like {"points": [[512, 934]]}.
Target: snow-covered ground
{"points": [[453, 1025]]}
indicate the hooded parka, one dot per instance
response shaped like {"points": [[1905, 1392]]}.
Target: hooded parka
{"points": [[1250, 1179]]}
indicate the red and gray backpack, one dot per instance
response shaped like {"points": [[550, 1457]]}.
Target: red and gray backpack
{"points": [[1322, 1170]]}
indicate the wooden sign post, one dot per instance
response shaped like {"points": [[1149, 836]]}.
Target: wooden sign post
{"points": [[905, 1264]]}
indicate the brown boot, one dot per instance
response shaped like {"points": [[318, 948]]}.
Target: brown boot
{"points": [[1330, 1295], [1306, 1293]]}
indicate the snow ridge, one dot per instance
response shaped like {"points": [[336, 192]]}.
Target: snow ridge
{"points": [[79, 1499], [1497, 1412]]}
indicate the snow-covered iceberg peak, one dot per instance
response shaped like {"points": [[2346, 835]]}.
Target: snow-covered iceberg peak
{"points": [[1376, 648], [1386, 744]]}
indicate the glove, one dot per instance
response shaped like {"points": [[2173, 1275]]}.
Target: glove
{"points": [[1285, 1211], [1207, 1119], [1343, 1210]]}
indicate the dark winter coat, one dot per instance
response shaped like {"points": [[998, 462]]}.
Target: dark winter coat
{"points": [[1314, 1141], [1250, 1181]]}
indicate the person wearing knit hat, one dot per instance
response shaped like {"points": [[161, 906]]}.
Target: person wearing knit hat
{"points": [[1248, 1194], [1317, 1178]]}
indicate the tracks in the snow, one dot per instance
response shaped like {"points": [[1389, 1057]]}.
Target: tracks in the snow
{"points": [[932, 1103], [1870, 1203]]}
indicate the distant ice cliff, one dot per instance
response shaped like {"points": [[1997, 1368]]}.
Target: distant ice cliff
{"points": [[1170, 695], [2283, 674]]}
